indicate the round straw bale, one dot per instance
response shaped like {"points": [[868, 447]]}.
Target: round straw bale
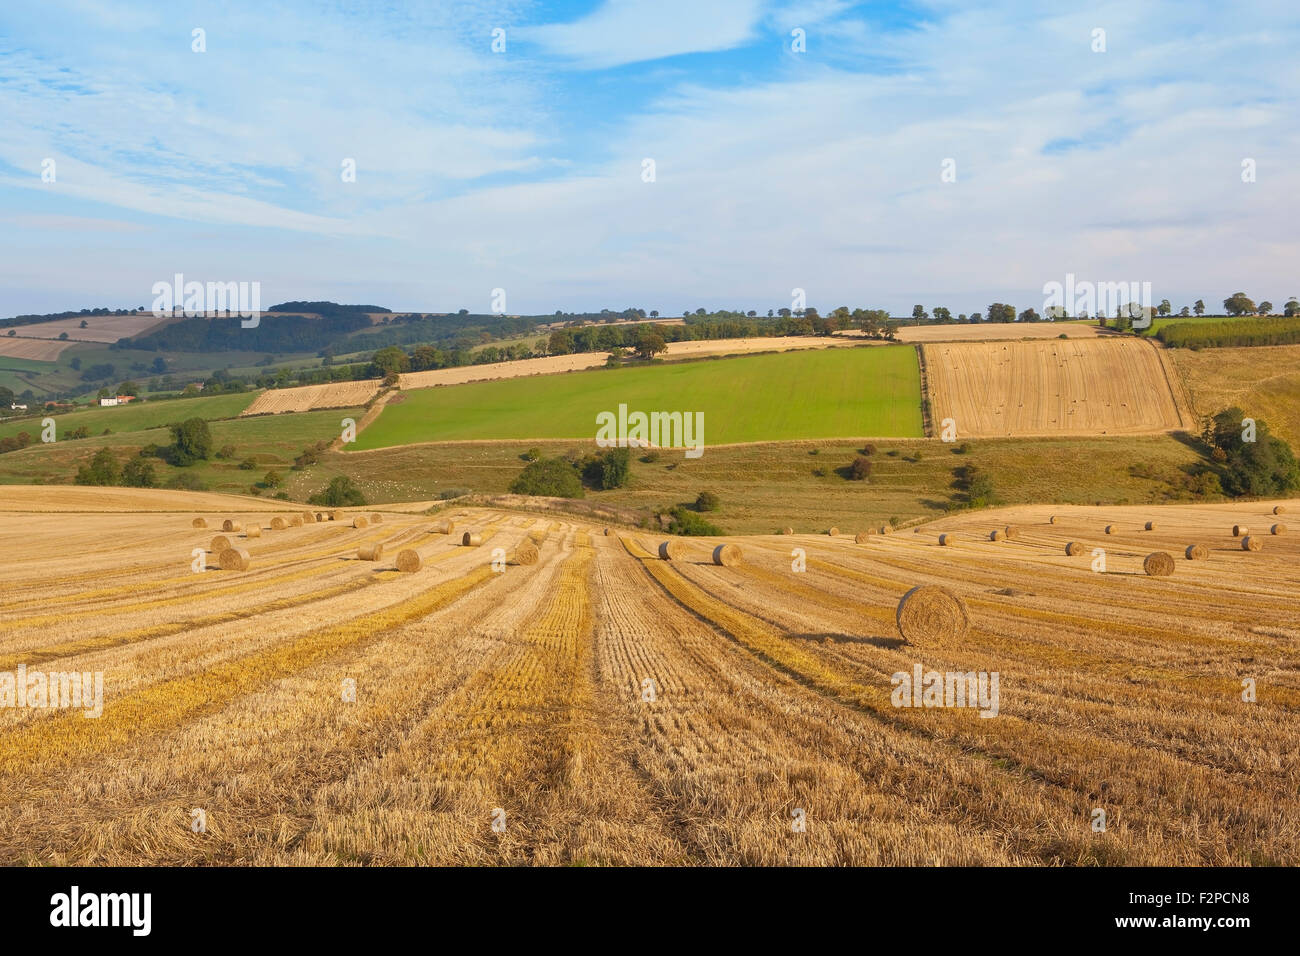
{"points": [[1151, 526], [336, 515], [219, 543], [788, 530], [471, 539], [671, 550], [253, 531], [1012, 532], [886, 529], [408, 560], [1052, 520], [727, 555], [862, 537], [943, 540], [525, 553], [932, 616], [1238, 530], [233, 559], [376, 518], [199, 523], [607, 532], [1277, 529], [371, 552], [278, 523], [1251, 543], [833, 531], [1197, 552], [360, 522], [1112, 529], [996, 535], [308, 518], [320, 516], [1279, 509], [228, 525], [1158, 564], [444, 527], [1074, 548]]}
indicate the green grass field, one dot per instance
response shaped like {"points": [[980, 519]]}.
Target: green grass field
{"points": [[809, 394], [136, 417]]}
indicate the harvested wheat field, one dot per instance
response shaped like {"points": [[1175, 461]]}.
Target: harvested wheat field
{"points": [[995, 331], [1055, 388], [610, 707], [39, 350], [307, 397]]}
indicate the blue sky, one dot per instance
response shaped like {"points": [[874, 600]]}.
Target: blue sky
{"points": [[522, 169]]}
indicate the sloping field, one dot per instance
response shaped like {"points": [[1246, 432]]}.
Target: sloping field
{"points": [[585, 360], [74, 498], [308, 397], [41, 350], [996, 331], [807, 394], [1263, 382], [99, 328], [1061, 387], [602, 706], [137, 415]]}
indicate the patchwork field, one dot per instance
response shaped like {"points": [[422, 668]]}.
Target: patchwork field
{"points": [[1063, 387], [1263, 382], [99, 328], [307, 397], [806, 394], [604, 706], [135, 416], [40, 350]]}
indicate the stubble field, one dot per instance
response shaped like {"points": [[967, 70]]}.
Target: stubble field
{"points": [[521, 697]]}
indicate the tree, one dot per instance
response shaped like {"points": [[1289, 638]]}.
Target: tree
{"points": [[102, 470], [139, 473], [159, 365], [6, 397], [83, 324], [918, 312], [1029, 315], [340, 493], [272, 479], [860, 470], [1199, 307], [1265, 467], [609, 469], [942, 315], [128, 388], [1238, 304], [650, 344], [191, 442], [1164, 308], [707, 501], [1184, 312], [1266, 308], [391, 359], [1291, 308]]}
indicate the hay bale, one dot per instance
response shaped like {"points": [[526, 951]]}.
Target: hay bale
{"points": [[471, 539], [320, 516], [444, 527], [376, 518], [278, 523], [1052, 520], [1112, 529], [408, 560], [788, 531], [996, 535], [1277, 529], [862, 537], [1252, 543], [336, 515], [944, 540], [198, 523], [671, 550], [1238, 530], [360, 522], [886, 529], [1197, 552], [233, 559], [219, 543], [1158, 564], [1012, 532], [1074, 548], [1151, 526], [308, 518], [254, 531], [833, 532], [296, 521], [525, 553], [932, 616], [1279, 509], [727, 556], [371, 552], [607, 532], [228, 525]]}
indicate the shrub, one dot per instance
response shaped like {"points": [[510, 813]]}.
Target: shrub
{"points": [[226, 451], [650, 457], [962, 449], [860, 470], [248, 464], [308, 457], [687, 522], [869, 448], [139, 473], [186, 481], [1264, 468], [533, 454], [551, 477], [607, 470], [102, 470], [819, 472], [340, 492], [447, 493], [273, 479], [707, 501], [191, 442]]}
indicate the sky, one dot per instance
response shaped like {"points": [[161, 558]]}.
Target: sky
{"points": [[873, 155]]}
